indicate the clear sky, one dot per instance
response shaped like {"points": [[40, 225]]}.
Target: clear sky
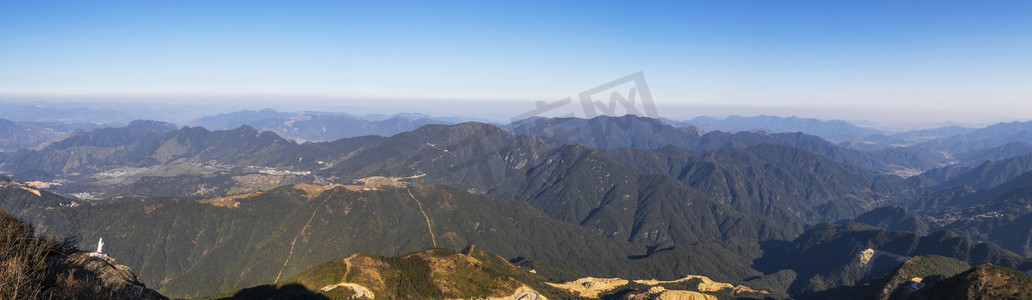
{"points": [[875, 60]]}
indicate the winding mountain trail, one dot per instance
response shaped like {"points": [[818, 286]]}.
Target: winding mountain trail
{"points": [[361, 292], [347, 265], [432, 238], [291, 253]]}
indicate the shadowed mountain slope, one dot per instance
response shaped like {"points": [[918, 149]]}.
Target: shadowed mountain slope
{"points": [[652, 196], [827, 256], [985, 175], [631, 131], [982, 282]]}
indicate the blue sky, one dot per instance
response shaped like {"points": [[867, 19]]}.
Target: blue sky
{"points": [[928, 60]]}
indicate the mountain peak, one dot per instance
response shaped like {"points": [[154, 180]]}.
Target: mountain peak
{"points": [[244, 128], [152, 125], [460, 131]]}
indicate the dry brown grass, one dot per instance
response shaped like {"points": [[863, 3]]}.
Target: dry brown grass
{"points": [[23, 268], [24, 186], [367, 272], [706, 285], [312, 190], [228, 201], [34, 267], [363, 184], [591, 287]]}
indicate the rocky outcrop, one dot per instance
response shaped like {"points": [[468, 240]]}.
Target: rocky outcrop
{"points": [[33, 267], [660, 293], [591, 287], [706, 285], [118, 281], [522, 293]]}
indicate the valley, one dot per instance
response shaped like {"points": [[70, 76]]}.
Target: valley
{"points": [[741, 215], [515, 150]]}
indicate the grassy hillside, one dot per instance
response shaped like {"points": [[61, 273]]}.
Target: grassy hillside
{"points": [[197, 247], [474, 274], [829, 257], [427, 274]]}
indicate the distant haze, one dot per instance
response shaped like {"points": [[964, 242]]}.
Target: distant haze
{"points": [[181, 110], [887, 61]]}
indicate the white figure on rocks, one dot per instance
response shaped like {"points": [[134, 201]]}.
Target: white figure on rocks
{"points": [[100, 246]]}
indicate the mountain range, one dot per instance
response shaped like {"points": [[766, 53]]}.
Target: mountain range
{"points": [[33, 135], [833, 130], [314, 126], [245, 211]]}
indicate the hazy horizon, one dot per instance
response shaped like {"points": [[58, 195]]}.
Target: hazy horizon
{"points": [[499, 112], [898, 64]]}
